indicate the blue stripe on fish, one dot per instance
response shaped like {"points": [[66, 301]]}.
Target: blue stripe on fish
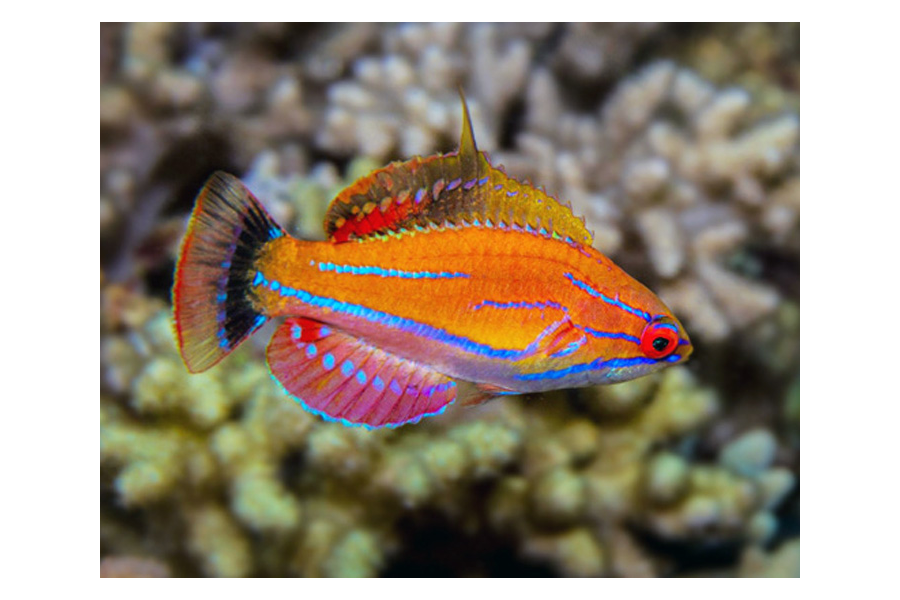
{"points": [[367, 270], [609, 334], [393, 321], [614, 301], [493, 304], [612, 363]]}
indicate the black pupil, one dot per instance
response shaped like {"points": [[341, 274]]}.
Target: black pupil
{"points": [[660, 344]]}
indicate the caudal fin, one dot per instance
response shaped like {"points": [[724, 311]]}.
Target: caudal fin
{"points": [[213, 313]]}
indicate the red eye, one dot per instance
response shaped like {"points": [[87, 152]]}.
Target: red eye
{"points": [[659, 340]]}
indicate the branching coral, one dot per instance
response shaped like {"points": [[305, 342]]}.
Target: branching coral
{"points": [[404, 100]]}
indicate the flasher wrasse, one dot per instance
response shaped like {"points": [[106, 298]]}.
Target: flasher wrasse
{"points": [[437, 271]]}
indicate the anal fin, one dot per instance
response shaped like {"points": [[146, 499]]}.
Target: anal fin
{"points": [[342, 378]]}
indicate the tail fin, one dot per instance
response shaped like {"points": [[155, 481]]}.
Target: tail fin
{"points": [[213, 314]]}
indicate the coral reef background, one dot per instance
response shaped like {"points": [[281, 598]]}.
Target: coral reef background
{"points": [[680, 146]]}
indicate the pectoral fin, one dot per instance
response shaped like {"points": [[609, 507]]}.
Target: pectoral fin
{"points": [[558, 340]]}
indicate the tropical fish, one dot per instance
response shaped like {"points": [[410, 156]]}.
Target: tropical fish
{"points": [[441, 278]]}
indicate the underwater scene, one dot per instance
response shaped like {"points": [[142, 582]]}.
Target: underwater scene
{"points": [[450, 300]]}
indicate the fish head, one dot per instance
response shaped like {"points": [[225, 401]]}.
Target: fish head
{"points": [[635, 334]]}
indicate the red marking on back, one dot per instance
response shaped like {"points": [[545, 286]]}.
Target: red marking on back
{"points": [[377, 220]]}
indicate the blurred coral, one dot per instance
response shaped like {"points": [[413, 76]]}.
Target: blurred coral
{"points": [[132, 566]]}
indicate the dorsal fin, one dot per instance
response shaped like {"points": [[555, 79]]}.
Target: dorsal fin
{"points": [[460, 188], [468, 151]]}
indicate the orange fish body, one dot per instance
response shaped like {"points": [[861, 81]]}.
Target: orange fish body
{"points": [[437, 270]]}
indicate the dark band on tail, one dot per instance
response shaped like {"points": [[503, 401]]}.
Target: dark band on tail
{"points": [[227, 231]]}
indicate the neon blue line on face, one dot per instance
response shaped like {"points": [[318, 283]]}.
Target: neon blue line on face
{"points": [[365, 270], [401, 323], [609, 334], [614, 301], [612, 363]]}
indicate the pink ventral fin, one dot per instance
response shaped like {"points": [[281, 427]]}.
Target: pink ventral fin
{"points": [[344, 379], [479, 393]]}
